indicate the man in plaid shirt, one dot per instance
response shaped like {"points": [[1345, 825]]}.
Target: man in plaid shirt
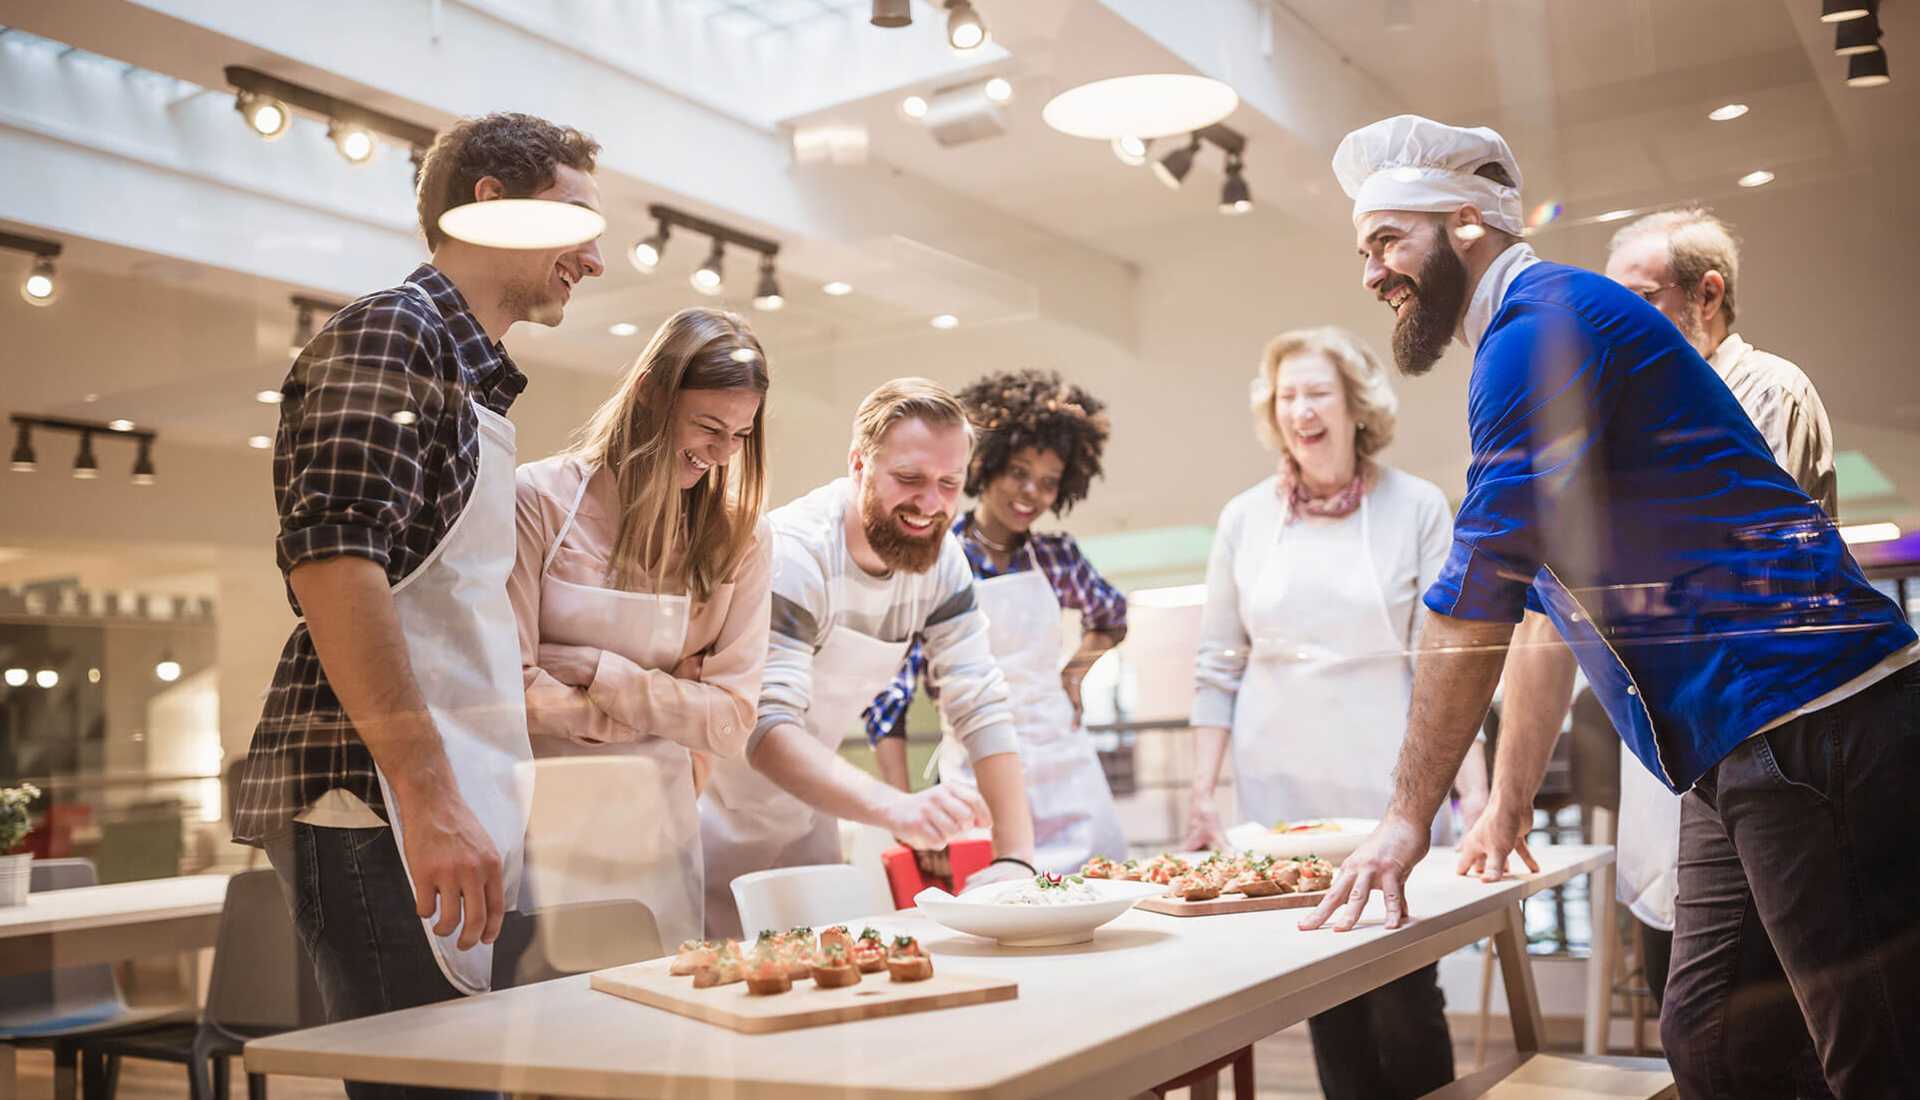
{"points": [[384, 418]]}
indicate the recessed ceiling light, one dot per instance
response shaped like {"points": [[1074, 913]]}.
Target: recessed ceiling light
{"points": [[945, 321], [1613, 216], [268, 397], [999, 90], [122, 425], [914, 107], [623, 328], [259, 442], [837, 289], [1148, 105], [1727, 113], [1758, 178]]}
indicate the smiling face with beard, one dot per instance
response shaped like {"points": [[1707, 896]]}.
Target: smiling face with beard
{"points": [[1412, 267], [908, 489]]}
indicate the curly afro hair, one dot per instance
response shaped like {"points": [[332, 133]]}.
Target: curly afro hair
{"points": [[1014, 410]]}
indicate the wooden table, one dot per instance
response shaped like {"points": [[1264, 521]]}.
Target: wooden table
{"points": [[105, 924], [1150, 998]]}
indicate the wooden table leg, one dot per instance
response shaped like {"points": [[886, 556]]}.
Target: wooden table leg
{"points": [[1516, 974], [1600, 907], [1207, 1088]]}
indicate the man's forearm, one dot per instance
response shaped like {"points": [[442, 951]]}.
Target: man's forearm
{"points": [[816, 775], [890, 756], [1003, 784], [1539, 675], [356, 632], [1453, 681]]}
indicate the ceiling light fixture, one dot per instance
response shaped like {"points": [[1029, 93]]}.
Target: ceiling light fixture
{"points": [[837, 289], [1235, 197], [354, 141], [167, 669], [268, 397], [1839, 11], [1868, 70], [143, 465], [85, 466], [708, 277], [41, 287], [23, 460], [945, 321], [1727, 113], [47, 678], [265, 115], [767, 296], [1172, 169], [1131, 151], [1757, 178], [122, 425], [1857, 36], [259, 442], [268, 102], [914, 107], [999, 91], [623, 328], [965, 30], [645, 254], [18, 677], [892, 13], [1146, 105]]}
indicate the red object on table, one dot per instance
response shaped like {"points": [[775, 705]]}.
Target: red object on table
{"points": [[965, 857]]}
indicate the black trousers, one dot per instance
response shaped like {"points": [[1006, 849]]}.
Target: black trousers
{"points": [[1799, 908], [353, 908], [1389, 1044]]}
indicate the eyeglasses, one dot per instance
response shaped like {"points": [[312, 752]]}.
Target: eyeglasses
{"points": [[1650, 295]]}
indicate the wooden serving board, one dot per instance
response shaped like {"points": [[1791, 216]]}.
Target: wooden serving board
{"points": [[1229, 903], [806, 1005]]}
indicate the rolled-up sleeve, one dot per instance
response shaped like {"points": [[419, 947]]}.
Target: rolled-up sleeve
{"points": [[962, 674], [1537, 406], [1220, 662]]}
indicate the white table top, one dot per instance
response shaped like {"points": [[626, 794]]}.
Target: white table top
{"points": [[1146, 981], [119, 904]]}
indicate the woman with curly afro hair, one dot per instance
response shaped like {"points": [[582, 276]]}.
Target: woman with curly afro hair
{"points": [[1039, 448]]}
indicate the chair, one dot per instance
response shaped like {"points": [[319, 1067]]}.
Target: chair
{"points": [[573, 939], [1565, 1076], [965, 858], [54, 1009], [787, 897], [262, 983]]}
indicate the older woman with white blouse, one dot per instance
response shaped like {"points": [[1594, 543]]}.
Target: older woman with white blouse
{"points": [[1305, 663]]}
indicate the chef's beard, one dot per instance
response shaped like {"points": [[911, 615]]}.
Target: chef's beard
{"points": [[1440, 293], [895, 548]]}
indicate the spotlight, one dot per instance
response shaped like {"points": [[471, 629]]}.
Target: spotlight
{"points": [[914, 107], [837, 289], [1857, 36], [892, 13], [1131, 150], [143, 466], [259, 442], [1172, 169], [354, 141], [85, 466], [965, 31], [707, 279], [1757, 178], [623, 328], [122, 425], [646, 254], [265, 115], [999, 91], [1727, 113], [945, 321], [1868, 70], [166, 670], [40, 288], [23, 461], [268, 397], [767, 295], [18, 677], [1839, 11], [47, 678], [1235, 196]]}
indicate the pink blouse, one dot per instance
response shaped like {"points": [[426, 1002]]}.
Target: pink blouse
{"points": [[713, 714]]}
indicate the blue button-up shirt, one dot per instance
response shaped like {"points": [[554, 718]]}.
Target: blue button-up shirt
{"points": [[1618, 486]]}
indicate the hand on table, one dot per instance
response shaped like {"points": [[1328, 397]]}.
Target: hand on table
{"points": [[1380, 863], [573, 665], [1203, 833], [1498, 832], [456, 869], [931, 818]]}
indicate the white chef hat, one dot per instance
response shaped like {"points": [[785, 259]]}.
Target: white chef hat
{"points": [[1411, 163]]}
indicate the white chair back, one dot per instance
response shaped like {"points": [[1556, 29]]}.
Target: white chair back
{"points": [[787, 897]]}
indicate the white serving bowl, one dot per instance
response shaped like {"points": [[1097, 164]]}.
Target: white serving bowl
{"points": [[1252, 836], [977, 913]]}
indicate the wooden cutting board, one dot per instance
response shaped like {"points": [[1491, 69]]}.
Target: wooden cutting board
{"points": [[806, 1005], [1229, 903]]}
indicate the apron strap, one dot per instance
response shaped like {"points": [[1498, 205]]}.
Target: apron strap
{"points": [[566, 525]]}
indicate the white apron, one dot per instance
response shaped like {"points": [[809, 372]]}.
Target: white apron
{"points": [[625, 832], [747, 822], [1073, 812], [465, 649], [1648, 847], [1322, 709]]}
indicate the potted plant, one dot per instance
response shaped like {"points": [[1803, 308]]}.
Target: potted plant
{"points": [[16, 874]]}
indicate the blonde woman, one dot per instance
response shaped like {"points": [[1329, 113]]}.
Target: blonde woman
{"points": [[641, 589], [1305, 664]]}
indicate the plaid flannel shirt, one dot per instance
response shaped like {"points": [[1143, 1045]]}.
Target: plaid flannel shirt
{"points": [[1076, 583], [377, 452]]}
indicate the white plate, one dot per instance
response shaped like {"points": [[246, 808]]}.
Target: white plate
{"points": [[1252, 836], [978, 914]]}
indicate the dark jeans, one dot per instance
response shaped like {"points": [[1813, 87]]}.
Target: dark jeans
{"points": [[1389, 1044], [1799, 908], [353, 908]]}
